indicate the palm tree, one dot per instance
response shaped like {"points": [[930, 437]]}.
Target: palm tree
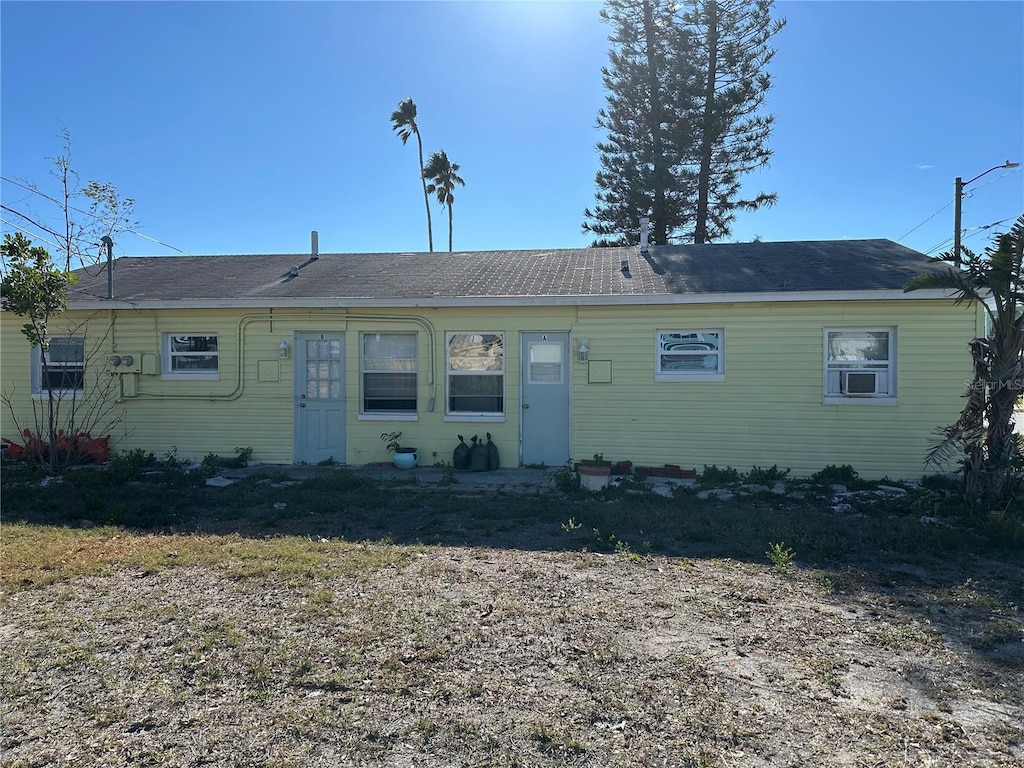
{"points": [[443, 175], [993, 454], [403, 122]]}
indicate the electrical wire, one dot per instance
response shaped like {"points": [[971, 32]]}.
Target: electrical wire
{"points": [[924, 222], [964, 193], [87, 213], [33, 234], [974, 231]]}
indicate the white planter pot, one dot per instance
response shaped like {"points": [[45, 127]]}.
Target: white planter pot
{"points": [[404, 459]]}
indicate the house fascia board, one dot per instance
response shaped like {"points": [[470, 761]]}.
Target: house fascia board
{"points": [[362, 302]]}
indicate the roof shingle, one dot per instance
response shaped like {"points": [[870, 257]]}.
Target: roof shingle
{"points": [[741, 268]]}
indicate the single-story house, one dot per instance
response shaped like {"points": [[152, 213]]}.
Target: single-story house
{"points": [[796, 354]]}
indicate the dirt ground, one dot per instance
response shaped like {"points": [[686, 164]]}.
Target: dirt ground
{"points": [[476, 656]]}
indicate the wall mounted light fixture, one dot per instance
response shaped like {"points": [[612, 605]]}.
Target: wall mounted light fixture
{"points": [[583, 351], [285, 349]]}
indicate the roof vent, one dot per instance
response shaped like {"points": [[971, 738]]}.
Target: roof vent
{"points": [[293, 272], [314, 245], [644, 224]]}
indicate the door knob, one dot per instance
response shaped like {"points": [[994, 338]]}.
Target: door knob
{"points": [[526, 406]]}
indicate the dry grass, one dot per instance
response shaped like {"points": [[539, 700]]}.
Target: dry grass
{"points": [[506, 643]]}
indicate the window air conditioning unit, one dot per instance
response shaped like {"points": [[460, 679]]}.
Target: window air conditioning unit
{"points": [[858, 382]]}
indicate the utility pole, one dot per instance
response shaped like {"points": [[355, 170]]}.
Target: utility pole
{"points": [[958, 197]]}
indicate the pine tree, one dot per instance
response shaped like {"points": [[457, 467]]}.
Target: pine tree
{"points": [[684, 84], [645, 81], [729, 47]]}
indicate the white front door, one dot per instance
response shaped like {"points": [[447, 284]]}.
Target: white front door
{"points": [[319, 397], [545, 391]]}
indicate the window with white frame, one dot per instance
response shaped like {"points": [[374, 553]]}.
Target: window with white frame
{"points": [[690, 355], [60, 368], [476, 374], [191, 356], [860, 363], [389, 373]]}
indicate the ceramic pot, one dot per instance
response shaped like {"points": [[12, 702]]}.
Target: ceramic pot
{"points": [[404, 458]]}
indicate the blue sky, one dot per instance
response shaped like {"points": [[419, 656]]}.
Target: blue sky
{"points": [[239, 127]]}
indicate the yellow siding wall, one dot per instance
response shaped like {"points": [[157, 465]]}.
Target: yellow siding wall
{"points": [[768, 410]]}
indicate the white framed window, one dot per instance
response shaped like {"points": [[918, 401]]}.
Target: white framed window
{"points": [[690, 355], [476, 374], [389, 373], [64, 369], [191, 356], [860, 365]]}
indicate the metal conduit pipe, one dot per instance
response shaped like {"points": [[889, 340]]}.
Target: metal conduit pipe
{"points": [[246, 320]]}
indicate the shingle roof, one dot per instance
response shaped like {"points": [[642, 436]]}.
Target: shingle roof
{"points": [[740, 268]]}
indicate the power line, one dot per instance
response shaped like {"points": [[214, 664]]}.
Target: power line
{"points": [[993, 181], [925, 221], [34, 234], [963, 192], [976, 231], [93, 215]]}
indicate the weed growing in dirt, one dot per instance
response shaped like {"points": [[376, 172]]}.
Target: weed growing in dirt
{"points": [[565, 479], [780, 556]]}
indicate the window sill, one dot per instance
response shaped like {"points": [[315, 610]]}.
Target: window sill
{"points": [[841, 400], [689, 377], [76, 395], [489, 418], [190, 377], [388, 417]]}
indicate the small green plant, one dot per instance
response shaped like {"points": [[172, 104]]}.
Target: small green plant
{"points": [[572, 524], [714, 476], [769, 476], [624, 550], [330, 461], [172, 460], [781, 556], [565, 478], [832, 474], [391, 441], [210, 463], [447, 473], [243, 456], [128, 465]]}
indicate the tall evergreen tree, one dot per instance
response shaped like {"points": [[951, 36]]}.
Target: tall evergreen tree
{"points": [[684, 83], [646, 81], [730, 50]]}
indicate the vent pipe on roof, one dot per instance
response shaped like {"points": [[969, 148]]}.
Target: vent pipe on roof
{"points": [[314, 244], [644, 224], [109, 245]]}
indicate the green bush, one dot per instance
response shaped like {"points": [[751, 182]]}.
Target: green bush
{"points": [[714, 476], [769, 476]]}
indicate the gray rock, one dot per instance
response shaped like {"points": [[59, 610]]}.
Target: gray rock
{"points": [[219, 482], [779, 489], [797, 494], [718, 493], [893, 490], [839, 488]]}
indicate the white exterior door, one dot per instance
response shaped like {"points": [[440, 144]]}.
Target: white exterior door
{"points": [[545, 388], [319, 397]]}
